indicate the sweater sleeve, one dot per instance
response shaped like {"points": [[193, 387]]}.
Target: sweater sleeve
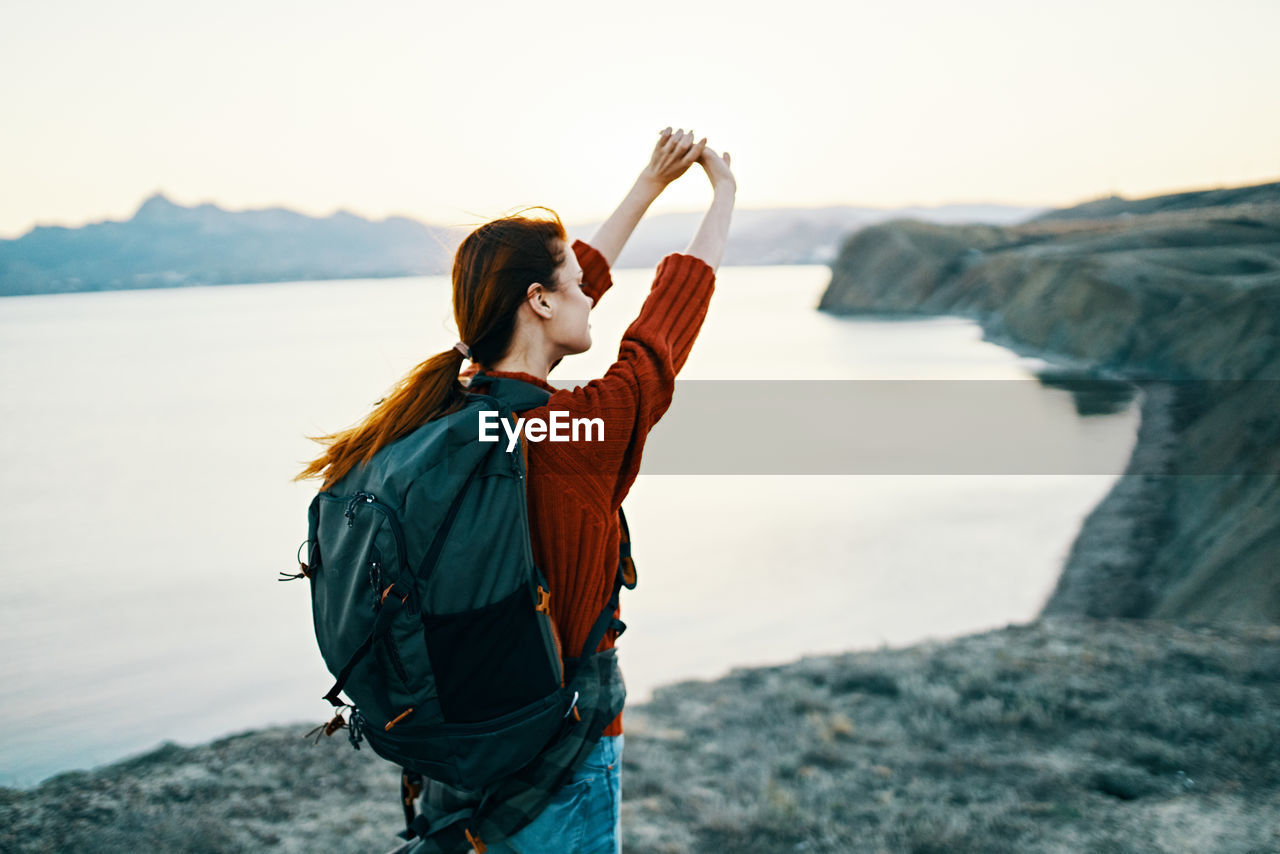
{"points": [[637, 389], [595, 270]]}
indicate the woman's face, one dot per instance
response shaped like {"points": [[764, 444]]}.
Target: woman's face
{"points": [[571, 307]]}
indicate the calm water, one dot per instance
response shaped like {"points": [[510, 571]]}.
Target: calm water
{"points": [[150, 439]]}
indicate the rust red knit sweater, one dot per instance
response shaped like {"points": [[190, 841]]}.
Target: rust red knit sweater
{"points": [[575, 488]]}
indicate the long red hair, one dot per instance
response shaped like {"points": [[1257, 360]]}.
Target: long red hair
{"points": [[492, 270]]}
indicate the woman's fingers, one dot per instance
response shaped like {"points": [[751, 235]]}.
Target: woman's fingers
{"points": [[678, 141], [676, 151]]}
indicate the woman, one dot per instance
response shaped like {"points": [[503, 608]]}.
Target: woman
{"points": [[522, 302]]}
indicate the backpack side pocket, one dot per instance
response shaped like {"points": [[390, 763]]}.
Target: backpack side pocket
{"points": [[489, 660]]}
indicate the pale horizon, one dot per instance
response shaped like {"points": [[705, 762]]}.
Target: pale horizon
{"points": [[455, 117], [653, 211], [132, 209]]}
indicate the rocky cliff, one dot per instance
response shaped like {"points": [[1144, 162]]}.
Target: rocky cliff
{"points": [[1179, 295]]}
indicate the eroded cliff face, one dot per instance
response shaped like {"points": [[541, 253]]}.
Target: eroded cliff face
{"points": [[1185, 303]]}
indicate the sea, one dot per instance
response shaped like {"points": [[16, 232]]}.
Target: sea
{"points": [[151, 438]]}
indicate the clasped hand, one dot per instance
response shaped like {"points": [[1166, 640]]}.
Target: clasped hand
{"points": [[674, 153]]}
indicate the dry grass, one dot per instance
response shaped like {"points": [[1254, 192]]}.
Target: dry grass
{"points": [[1062, 736]]}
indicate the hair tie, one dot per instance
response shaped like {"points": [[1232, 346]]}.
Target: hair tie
{"points": [[464, 350]]}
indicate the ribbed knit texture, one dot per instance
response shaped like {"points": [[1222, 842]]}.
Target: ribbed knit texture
{"points": [[575, 488]]}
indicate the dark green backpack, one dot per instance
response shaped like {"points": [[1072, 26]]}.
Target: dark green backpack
{"points": [[428, 607]]}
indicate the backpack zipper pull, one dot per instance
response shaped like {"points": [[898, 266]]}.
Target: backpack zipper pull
{"points": [[375, 578], [355, 728], [366, 497]]}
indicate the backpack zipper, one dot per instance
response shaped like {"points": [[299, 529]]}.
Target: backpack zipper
{"points": [[544, 596], [375, 568], [396, 663], [527, 540], [372, 500], [375, 576]]}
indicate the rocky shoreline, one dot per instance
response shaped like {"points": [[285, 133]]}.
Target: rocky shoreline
{"points": [[1184, 303], [1062, 735]]}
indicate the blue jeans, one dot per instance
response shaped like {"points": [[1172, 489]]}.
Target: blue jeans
{"points": [[585, 817]]}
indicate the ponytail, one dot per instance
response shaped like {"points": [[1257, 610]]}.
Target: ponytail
{"points": [[431, 390]]}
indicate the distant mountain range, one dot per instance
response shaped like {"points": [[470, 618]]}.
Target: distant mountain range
{"points": [[168, 245], [790, 235]]}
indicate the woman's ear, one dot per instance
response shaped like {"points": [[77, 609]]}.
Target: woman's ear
{"points": [[537, 297]]}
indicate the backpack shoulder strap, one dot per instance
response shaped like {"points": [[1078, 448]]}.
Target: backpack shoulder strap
{"points": [[519, 395], [625, 577], [516, 394]]}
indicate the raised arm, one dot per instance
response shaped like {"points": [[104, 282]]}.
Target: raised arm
{"points": [[672, 155], [638, 388], [709, 242]]}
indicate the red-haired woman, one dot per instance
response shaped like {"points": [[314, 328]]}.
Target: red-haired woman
{"points": [[522, 295]]}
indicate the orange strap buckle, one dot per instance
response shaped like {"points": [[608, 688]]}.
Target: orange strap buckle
{"points": [[403, 599], [544, 600], [412, 790]]}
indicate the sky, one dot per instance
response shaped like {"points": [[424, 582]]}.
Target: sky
{"points": [[457, 113]]}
